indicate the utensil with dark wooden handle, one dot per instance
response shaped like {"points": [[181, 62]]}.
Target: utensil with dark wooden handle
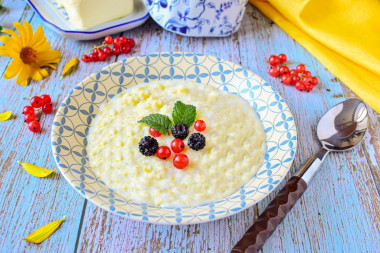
{"points": [[340, 129]]}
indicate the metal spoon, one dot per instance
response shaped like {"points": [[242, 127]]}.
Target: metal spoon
{"points": [[340, 129]]}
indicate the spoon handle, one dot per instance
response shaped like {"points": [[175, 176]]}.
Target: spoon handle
{"points": [[267, 222]]}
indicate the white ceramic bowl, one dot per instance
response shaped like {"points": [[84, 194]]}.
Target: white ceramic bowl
{"points": [[203, 18]]}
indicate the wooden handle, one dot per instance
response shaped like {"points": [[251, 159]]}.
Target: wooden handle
{"points": [[273, 215]]}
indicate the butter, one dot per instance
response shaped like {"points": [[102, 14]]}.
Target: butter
{"points": [[84, 14]]}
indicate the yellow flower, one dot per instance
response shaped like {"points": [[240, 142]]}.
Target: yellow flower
{"points": [[30, 52]]}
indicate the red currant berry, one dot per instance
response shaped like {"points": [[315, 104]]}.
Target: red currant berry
{"points": [[46, 99], [177, 145], [300, 86], [107, 51], [102, 56], [86, 58], [306, 81], [306, 74], [125, 49], [116, 51], [154, 132], [274, 60], [200, 125], [123, 41], [283, 70], [28, 110], [274, 72], [314, 81], [108, 40], [282, 58], [131, 42], [36, 102], [34, 126], [117, 42], [293, 72], [286, 79], [29, 118], [94, 57], [163, 152], [300, 68], [308, 87], [48, 108], [180, 161], [295, 79], [95, 51]]}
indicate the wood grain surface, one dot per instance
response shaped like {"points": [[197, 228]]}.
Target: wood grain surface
{"points": [[340, 212]]}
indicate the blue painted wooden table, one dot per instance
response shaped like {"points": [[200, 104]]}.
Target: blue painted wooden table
{"points": [[339, 212]]}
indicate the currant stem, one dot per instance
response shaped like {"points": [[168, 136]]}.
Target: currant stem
{"points": [[95, 47]]}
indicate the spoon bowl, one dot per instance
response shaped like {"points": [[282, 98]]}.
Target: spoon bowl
{"points": [[343, 126]]}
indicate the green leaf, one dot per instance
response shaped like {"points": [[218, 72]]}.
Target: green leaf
{"points": [[160, 122], [183, 113]]}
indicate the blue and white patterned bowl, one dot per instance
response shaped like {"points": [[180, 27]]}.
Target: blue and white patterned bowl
{"points": [[79, 108], [202, 18]]}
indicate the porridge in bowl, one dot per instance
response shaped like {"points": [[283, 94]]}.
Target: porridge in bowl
{"points": [[228, 156]]}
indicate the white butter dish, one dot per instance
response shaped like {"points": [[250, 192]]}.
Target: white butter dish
{"points": [[57, 19]]}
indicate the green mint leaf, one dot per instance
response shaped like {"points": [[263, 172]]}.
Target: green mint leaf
{"points": [[183, 113], [158, 121]]}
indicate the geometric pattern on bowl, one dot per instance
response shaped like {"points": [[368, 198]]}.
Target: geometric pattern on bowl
{"points": [[79, 108]]}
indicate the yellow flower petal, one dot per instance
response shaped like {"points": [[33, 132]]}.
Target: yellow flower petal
{"points": [[21, 30], [29, 32], [39, 74], [35, 170], [14, 35], [5, 115], [70, 66], [10, 43], [36, 75], [44, 232], [42, 46], [48, 56], [23, 77], [38, 38], [8, 52], [13, 68], [51, 66]]}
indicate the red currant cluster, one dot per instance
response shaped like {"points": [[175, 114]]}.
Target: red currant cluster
{"points": [[300, 77], [100, 53], [31, 111], [180, 160]]}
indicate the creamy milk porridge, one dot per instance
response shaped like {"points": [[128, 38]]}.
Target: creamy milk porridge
{"points": [[234, 151]]}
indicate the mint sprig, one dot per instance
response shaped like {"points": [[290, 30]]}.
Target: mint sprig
{"points": [[183, 113], [160, 122]]}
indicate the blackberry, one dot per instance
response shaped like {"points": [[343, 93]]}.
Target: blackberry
{"points": [[148, 146], [196, 141], [180, 131]]}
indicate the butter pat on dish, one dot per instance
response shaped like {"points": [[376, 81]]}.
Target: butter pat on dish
{"points": [[84, 14]]}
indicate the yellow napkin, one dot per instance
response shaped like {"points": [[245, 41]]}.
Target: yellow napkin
{"points": [[344, 35]]}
